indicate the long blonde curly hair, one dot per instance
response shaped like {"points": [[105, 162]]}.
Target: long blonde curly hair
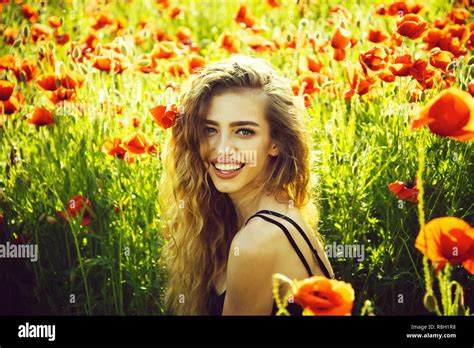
{"points": [[200, 222]]}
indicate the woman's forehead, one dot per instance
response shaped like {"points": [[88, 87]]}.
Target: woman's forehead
{"points": [[235, 104]]}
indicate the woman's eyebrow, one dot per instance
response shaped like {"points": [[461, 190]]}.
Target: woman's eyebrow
{"points": [[234, 124]]}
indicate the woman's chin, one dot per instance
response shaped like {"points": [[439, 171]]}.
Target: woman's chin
{"points": [[226, 187]]}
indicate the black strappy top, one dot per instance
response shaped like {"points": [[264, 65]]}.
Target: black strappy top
{"points": [[216, 301]]}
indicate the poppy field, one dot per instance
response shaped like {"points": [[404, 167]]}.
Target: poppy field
{"points": [[89, 91]]}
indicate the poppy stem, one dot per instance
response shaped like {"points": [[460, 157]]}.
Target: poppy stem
{"points": [[75, 232], [276, 293], [421, 212], [429, 287], [296, 56], [419, 179]]}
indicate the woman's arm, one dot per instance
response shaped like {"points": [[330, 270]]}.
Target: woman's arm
{"points": [[249, 273]]}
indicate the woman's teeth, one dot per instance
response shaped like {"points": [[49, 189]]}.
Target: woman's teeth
{"points": [[228, 167]]}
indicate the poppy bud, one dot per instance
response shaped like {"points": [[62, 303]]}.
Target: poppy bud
{"points": [[51, 220], [76, 53], [452, 65], [25, 32], [430, 303], [470, 61]]}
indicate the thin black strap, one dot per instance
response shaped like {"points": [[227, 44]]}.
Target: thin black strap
{"points": [[290, 238], [300, 230]]}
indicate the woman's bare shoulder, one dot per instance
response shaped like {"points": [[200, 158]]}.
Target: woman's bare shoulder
{"points": [[260, 234]]}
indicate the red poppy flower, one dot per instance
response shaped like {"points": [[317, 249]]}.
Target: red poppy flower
{"points": [[10, 35], [71, 79], [228, 42], [447, 239], [61, 95], [449, 114], [470, 40], [307, 84], [164, 50], [196, 63], [163, 3], [109, 58], [67, 80], [377, 35], [26, 69], [314, 63], [440, 23], [40, 32], [47, 82], [178, 68], [323, 296], [8, 62], [6, 90], [401, 65], [164, 115], [101, 20], [41, 117], [458, 15], [406, 191], [400, 6], [375, 59], [11, 105], [341, 39], [244, 17], [450, 39], [54, 21], [425, 76], [309, 63], [175, 11], [273, 3], [61, 39], [411, 26], [137, 143], [135, 122], [358, 81], [337, 12], [441, 59], [153, 149], [30, 13], [386, 75], [84, 48], [114, 148], [184, 35], [458, 31], [339, 54], [470, 88], [75, 207], [259, 43]]}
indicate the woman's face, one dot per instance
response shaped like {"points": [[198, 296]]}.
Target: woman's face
{"points": [[239, 139]]}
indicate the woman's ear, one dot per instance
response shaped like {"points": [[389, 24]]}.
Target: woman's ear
{"points": [[274, 150]]}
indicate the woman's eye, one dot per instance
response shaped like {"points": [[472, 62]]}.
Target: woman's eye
{"points": [[246, 131], [209, 130]]}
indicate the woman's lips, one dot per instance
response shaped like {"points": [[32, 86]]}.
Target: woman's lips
{"points": [[227, 174]]}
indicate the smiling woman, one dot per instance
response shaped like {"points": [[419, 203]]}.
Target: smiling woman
{"points": [[238, 150]]}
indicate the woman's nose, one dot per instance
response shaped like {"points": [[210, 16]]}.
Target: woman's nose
{"points": [[224, 143]]}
